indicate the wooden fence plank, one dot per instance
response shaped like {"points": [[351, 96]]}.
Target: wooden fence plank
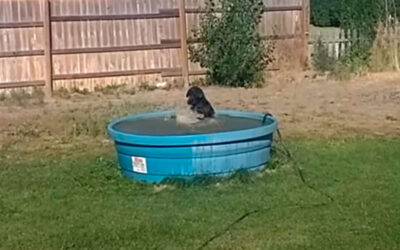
{"points": [[184, 46], [47, 49], [113, 17], [22, 53], [17, 25], [113, 73], [304, 32], [22, 84]]}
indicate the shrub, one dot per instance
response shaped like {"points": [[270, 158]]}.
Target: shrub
{"points": [[321, 59], [231, 48], [353, 63]]}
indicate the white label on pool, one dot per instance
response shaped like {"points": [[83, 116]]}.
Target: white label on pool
{"points": [[139, 165]]}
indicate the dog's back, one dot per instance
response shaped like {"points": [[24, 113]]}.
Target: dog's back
{"points": [[204, 107]]}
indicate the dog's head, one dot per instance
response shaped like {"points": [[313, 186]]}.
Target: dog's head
{"points": [[194, 95]]}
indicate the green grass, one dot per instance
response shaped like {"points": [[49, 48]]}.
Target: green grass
{"points": [[73, 196]]}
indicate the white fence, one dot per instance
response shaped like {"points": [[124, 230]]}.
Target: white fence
{"points": [[335, 39]]}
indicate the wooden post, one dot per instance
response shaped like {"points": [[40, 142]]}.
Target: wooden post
{"points": [[184, 47], [305, 30], [47, 49]]}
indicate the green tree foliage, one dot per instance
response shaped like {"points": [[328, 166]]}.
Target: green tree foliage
{"points": [[231, 48], [325, 13]]}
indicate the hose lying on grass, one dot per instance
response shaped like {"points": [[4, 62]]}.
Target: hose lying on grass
{"points": [[284, 150]]}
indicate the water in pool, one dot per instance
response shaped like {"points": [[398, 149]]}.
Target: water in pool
{"points": [[172, 126]]}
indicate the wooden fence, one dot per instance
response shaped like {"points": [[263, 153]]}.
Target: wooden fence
{"points": [[88, 43]]}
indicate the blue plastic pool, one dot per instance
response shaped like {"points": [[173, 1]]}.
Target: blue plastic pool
{"points": [[153, 146]]}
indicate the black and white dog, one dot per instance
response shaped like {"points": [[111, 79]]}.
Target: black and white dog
{"points": [[199, 104]]}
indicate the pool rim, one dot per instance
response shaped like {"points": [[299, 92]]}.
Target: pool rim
{"points": [[193, 139]]}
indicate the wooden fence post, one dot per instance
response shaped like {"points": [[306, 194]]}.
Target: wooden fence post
{"points": [[47, 49], [184, 47], [305, 30]]}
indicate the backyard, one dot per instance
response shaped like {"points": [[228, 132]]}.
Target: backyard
{"points": [[60, 186]]}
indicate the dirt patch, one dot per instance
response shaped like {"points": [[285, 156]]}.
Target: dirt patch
{"points": [[369, 105]]}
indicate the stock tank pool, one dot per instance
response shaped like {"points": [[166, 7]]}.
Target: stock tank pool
{"points": [[153, 147]]}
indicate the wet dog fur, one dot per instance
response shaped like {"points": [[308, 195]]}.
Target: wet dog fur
{"points": [[199, 104]]}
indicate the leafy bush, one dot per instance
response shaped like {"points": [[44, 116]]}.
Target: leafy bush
{"points": [[353, 63], [321, 59], [231, 49]]}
